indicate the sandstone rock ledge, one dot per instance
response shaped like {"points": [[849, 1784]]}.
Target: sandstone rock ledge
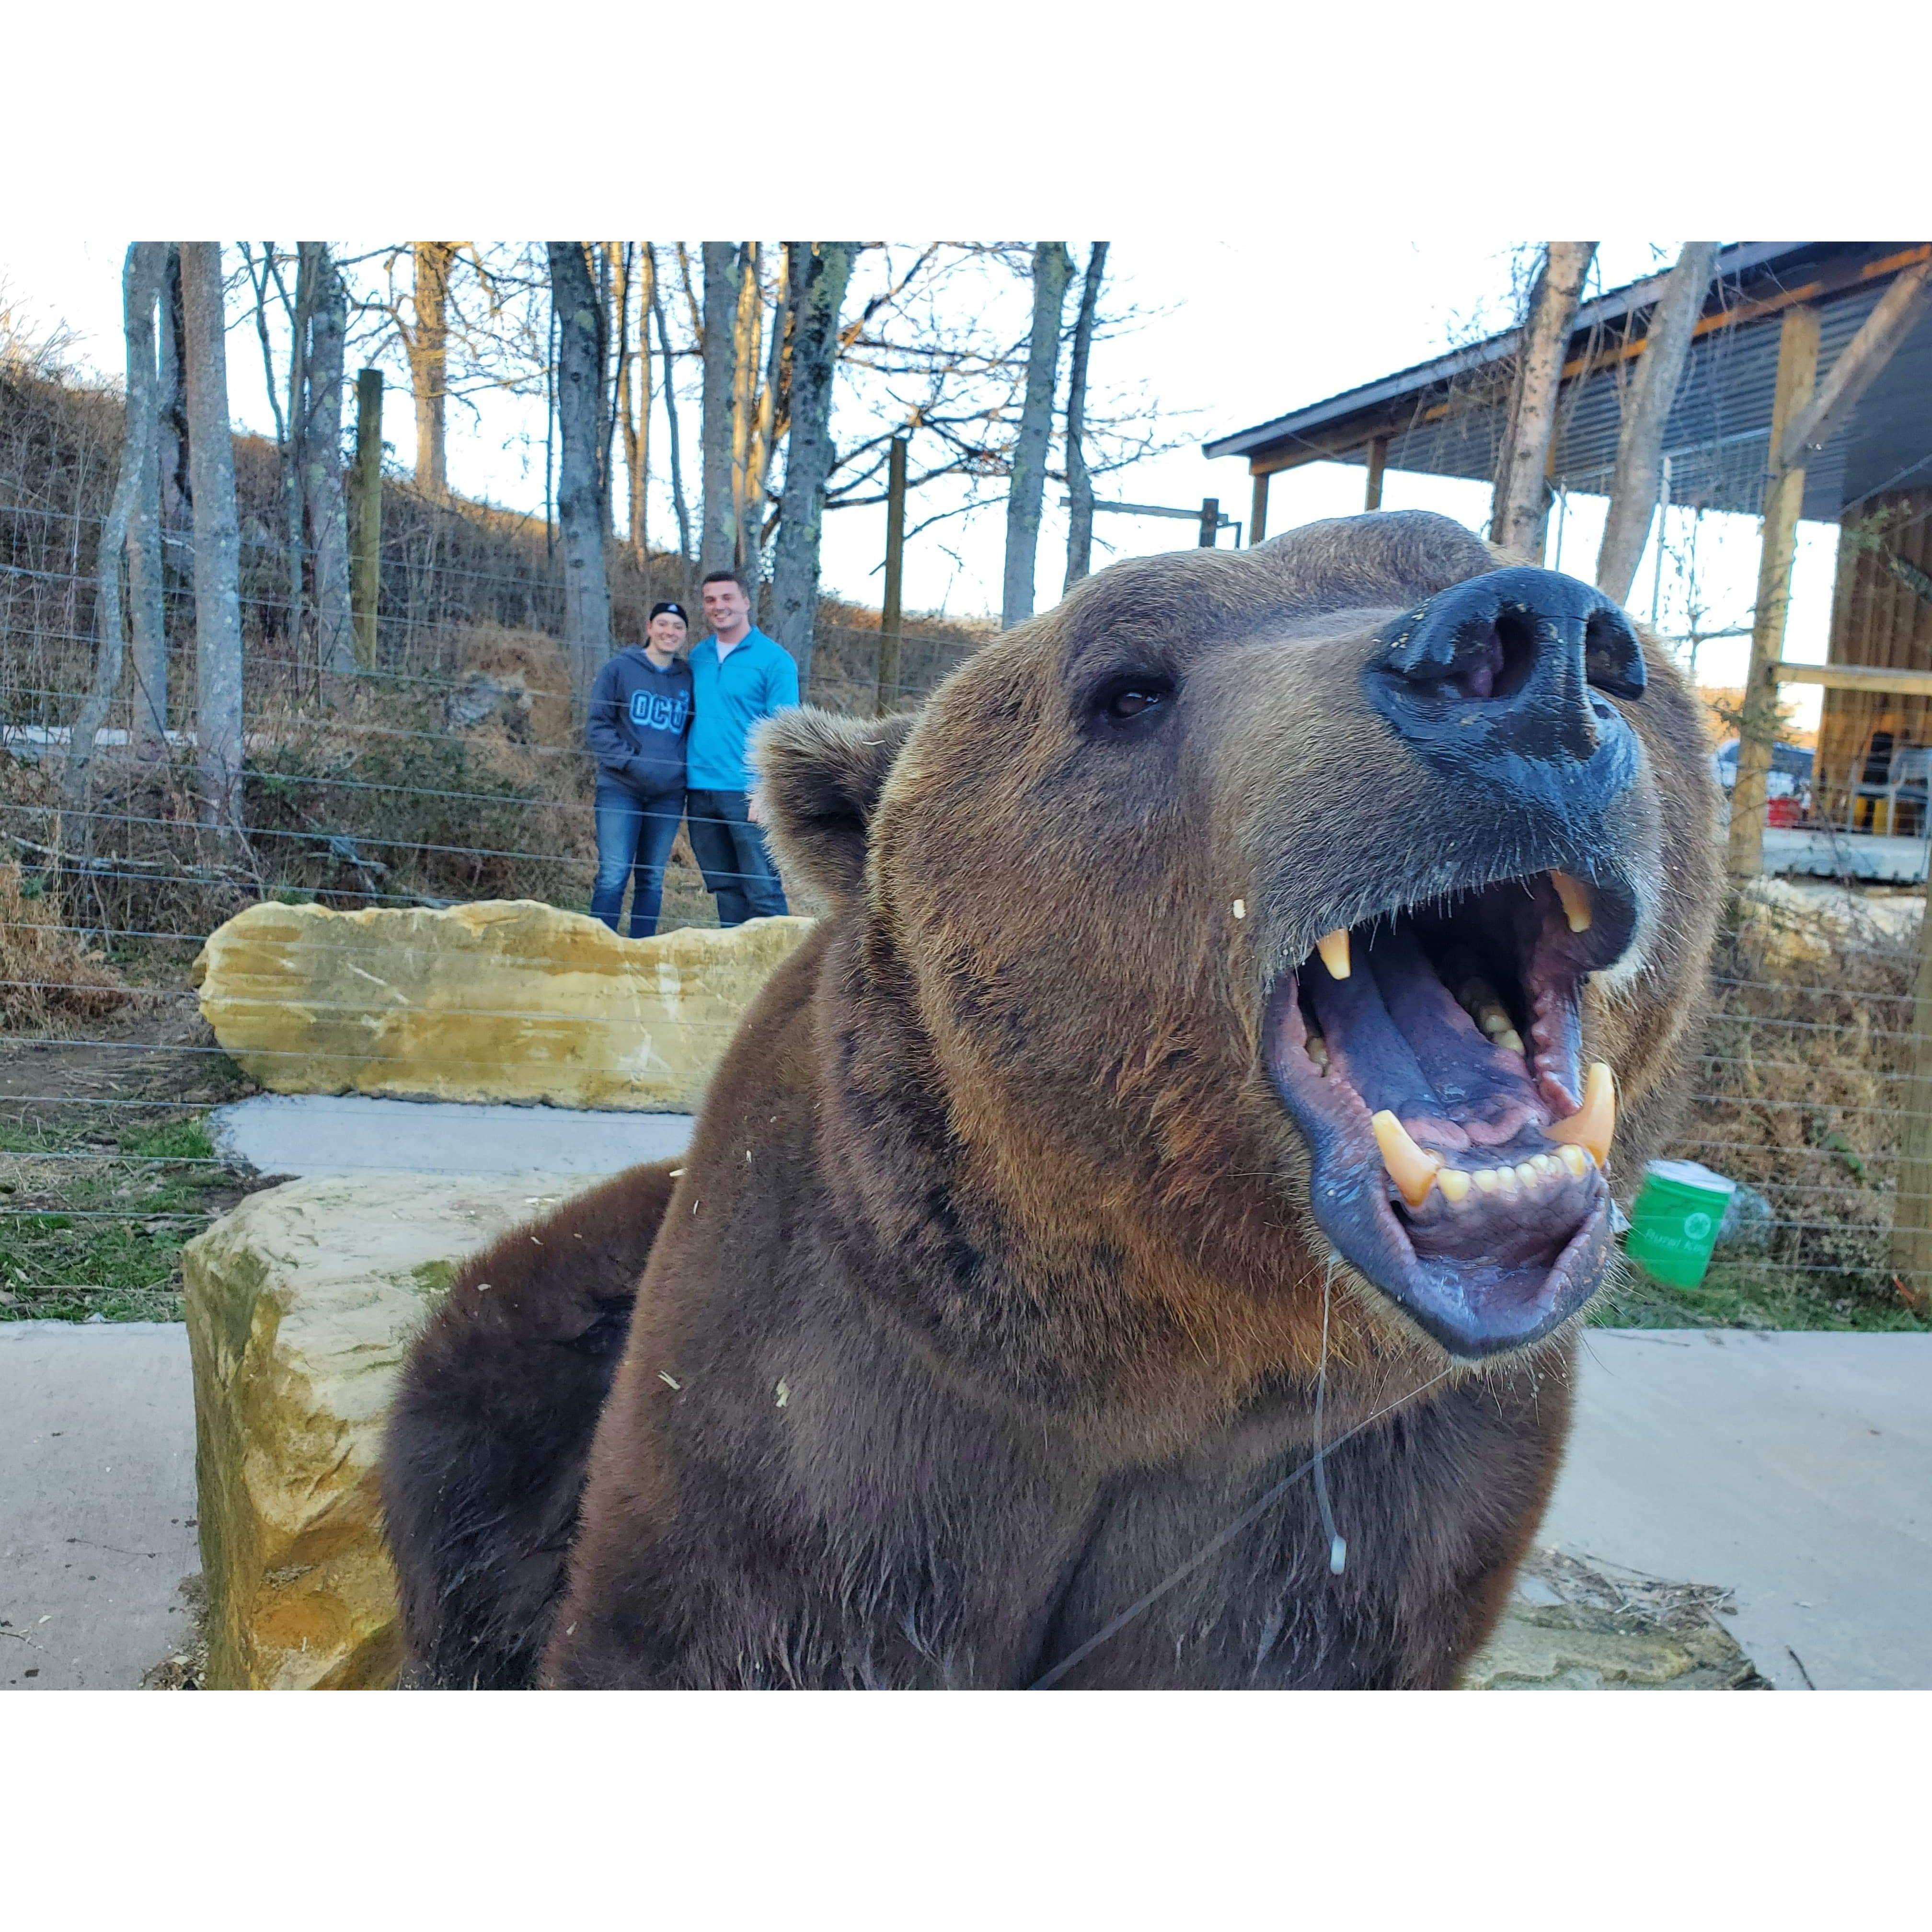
{"points": [[500, 1000], [301, 1305]]}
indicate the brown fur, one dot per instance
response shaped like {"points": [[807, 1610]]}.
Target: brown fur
{"points": [[988, 1298]]}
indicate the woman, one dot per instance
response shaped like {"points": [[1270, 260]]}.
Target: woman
{"points": [[640, 720]]}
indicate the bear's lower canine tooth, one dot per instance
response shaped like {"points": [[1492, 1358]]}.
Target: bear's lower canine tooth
{"points": [[1575, 898], [1318, 1051], [1333, 948], [1594, 1125], [1413, 1172]]}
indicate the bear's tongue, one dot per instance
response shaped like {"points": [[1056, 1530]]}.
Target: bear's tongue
{"points": [[1397, 1034]]}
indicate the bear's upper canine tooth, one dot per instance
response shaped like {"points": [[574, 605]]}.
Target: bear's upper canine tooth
{"points": [[1413, 1172], [1575, 898], [1594, 1125], [1333, 948]]}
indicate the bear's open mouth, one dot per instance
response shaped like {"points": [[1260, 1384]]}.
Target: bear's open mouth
{"points": [[1430, 1056]]}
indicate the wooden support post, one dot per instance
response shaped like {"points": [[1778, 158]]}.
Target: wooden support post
{"points": [[1912, 1208], [1258, 511], [1211, 520], [365, 575], [886, 694], [1377, 462], [1784, 497]]}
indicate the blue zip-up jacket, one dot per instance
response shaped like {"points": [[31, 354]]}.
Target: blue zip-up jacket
{"points": [[639, 722], [758, 677]]}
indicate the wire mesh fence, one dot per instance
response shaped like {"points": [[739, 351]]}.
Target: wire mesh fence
{"points": [[452, 772]]}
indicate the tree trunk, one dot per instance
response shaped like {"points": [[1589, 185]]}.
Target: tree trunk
{"points": [[322, 472], [637, 411], [765, 425], [429, 364], [1518, 507], [147, 612], [1079, 483], [818, 275], [140, 287], [679, 507], [177, 489], [580, 419], [1660, 369], [747, 341], [217, 541], [1052, 270], [717, 544]]}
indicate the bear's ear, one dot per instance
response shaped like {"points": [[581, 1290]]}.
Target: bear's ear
{"points": [[819, 777]]}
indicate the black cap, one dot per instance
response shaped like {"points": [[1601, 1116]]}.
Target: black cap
{"points": [[668, 610]]}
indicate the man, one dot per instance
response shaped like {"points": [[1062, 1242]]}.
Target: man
{"points": [[739, 676], [639, 721]]}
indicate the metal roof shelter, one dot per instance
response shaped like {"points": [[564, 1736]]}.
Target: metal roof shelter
{"points": [[1808, 391], [1445, 417]]}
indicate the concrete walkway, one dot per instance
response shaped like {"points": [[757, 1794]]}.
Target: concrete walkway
{"points": [[305, 1135], [97, 1502], [1797, 1468]]}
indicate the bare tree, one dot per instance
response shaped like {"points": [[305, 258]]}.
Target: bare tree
{"points": [[1660, 370], [177, 489], [818, 277], [580, 415], [635, 410], [289, 420], [321, 473], [717, 544], [677, 498], [747, 341], [1518, 507], [217, 541], [140, 287], [1079, 480], [1052, 270], [147, 613], [428, 347], [769, 420]]}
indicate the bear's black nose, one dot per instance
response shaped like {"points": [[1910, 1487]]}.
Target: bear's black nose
{"points": [[1507, 668]]}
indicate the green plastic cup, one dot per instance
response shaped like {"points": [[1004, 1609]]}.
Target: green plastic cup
{"points": [[1675, 1219]]}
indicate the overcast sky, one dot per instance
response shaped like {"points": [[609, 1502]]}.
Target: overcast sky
{"points": [[1235, 334]]}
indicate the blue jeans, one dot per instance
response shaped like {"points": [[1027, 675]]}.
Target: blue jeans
{"points": [[634, 834], [730, 851]]}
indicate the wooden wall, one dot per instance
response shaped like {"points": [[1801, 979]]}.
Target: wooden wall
{"points": [[1877, 618]]}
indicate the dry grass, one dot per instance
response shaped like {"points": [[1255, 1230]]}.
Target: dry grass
{"points": [[47, 975], [1804, 1076]]}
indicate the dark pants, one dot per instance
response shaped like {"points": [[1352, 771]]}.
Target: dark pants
{"points": [[731, 851], [634, 834]]}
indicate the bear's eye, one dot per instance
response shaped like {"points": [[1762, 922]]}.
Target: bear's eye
{"points": [[1132, 698]]}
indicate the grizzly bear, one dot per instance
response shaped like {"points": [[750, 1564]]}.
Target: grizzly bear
{"points": [[1138, 1240]]}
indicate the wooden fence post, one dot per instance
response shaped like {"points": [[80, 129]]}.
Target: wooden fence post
{"points": [[365, 581], [1211, 520], [1377, 462], [1258, 511], [885, 695], [1783, 497]]}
